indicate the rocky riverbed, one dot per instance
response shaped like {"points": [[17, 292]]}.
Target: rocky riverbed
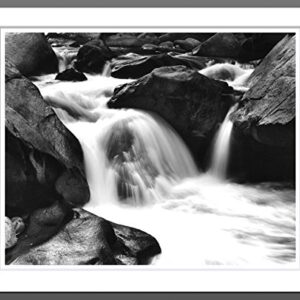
{"points": [[56, 93]]}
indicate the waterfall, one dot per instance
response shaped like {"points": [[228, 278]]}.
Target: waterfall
{"points": [[221, 147], [130, 155], [141, 174], [65, 57]]}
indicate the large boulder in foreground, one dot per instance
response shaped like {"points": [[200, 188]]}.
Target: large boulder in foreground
{"points": [[80, 238], [192, 103], [39, 149], [267, 112], [135, 66], [30, 53]]}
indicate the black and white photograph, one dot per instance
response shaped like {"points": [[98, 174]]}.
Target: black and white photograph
{"points": [[167, 149]]}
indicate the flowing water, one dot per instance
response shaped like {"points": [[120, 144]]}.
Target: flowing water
{"points": [[141, 174], [221, 148]]}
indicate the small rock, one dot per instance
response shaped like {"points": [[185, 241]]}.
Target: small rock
{"points": [[71, 75]]}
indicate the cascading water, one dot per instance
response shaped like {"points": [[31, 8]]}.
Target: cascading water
{"points": [[221, 148], [141, 174], [65, 57]]}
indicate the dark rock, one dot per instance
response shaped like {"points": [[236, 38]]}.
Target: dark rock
{"points": [[187, 44], [74, 45], [189, 101], [173, 36], [84, 239], [29, 177], [71, 75], [131, 39], [79, 37], [135, 66], [223, 44], [41, 225], [38, 148], [30, 53], [72, 187], [92, 57], [166, 44], [239, 46], [258, 45], [266, 114]]}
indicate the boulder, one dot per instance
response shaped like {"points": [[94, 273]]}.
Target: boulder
{"points": [[92, 57], [82, 239], [135, 66], [270, 99], [39, 148], [71, 75], [222, 44], [266, 114], [192, 103], [41, 225], [258, 45], [30, 53], [239, 46]]}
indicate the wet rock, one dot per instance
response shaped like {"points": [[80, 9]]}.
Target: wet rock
{"points": [[71, 75], [41, 225], [189, 101], [38, 147], [72, 187], [136, 66], [92, 57], [167, 44], [266, 114], [187, 44], [30, 53], [88, 239]]}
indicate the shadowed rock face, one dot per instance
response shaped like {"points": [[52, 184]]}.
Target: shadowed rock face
{"points": [[80, 238], [39, 149], [31, 53], [266, 115], [192, 103]]}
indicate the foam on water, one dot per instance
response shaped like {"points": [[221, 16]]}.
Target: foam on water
{"points": [[141, 174]]}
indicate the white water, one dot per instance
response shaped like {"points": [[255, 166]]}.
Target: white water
{"points": [[65, 57], [221, 148], [141, 174], [235, 75]]}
